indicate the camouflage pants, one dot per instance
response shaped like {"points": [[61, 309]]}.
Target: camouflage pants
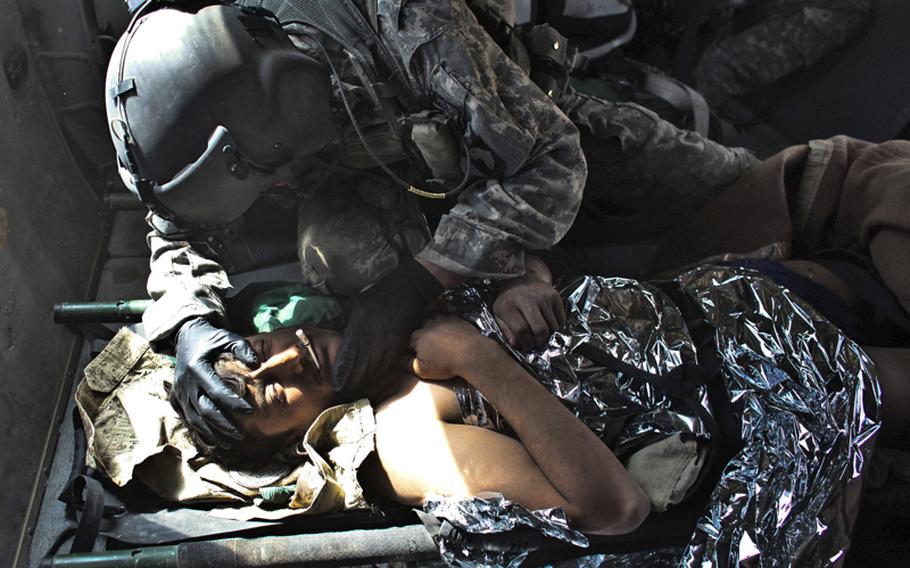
{"points": [[791, 35], [643, 172]]}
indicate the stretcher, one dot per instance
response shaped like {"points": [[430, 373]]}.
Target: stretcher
{"points": [[720, 353], [100, 525]]}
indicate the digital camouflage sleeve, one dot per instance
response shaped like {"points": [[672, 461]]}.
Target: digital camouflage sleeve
{"points": [[528, 149], [186, 279], [789, 35]]}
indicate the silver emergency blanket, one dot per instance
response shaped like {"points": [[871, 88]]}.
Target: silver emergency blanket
{"points": [[493, 514], [806, 394]]}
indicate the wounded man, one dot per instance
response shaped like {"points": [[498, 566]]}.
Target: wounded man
{"points": [[292, 389], [615, 418]]}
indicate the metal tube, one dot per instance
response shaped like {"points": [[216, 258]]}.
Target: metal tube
{"points": [[119, 311], [349, 548], [160, 557]]}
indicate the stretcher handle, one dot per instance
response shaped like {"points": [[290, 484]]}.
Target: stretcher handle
{"points": [[118, 311]]}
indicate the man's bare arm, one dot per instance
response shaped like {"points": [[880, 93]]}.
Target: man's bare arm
{"points": [[557, 462], [598, 490]]}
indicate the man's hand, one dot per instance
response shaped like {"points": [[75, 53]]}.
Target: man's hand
{"points": [[200, 394], [528, 310], [381, 320], [442, 346]]}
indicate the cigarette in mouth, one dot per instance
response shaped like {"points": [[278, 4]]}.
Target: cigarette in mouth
{"points": [[305, 341]]}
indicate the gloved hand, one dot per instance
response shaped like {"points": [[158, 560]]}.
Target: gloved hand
{"points": [[380, 325], [198, 391]]}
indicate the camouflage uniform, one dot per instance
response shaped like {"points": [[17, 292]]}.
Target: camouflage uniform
{"points": [[527, 170], [791, 34], [643, 172], [527, 167]]}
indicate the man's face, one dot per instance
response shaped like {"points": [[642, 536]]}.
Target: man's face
{"points": [[289, 390]]}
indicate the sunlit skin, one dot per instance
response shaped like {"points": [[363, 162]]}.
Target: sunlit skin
{"points": [[289, 389], [423, 447]]}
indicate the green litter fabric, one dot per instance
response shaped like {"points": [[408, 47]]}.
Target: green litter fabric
{"points": [[274, 497], [274, 305]]}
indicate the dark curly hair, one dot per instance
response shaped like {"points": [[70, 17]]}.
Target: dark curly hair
{"points": [[254, 447]]}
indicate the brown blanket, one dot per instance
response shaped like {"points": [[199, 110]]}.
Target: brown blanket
{"points": [[837, 193]]}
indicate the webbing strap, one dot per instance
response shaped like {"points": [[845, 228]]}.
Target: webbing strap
{"points": [[677, 384], [682, 98], [91, 494], [680, 384], [82, 492], [687, 49], [703, 334]]}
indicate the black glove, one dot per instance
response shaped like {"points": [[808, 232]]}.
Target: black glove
{"points": [[380, 325], [201, 395]]}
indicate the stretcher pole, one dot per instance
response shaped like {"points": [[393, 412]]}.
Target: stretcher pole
{"points": [[349, 548], [118, 311]]}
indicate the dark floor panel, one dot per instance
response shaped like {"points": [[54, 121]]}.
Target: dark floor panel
{"points": [[124, 279], [52, 519], [882, 535], [128, 232]]}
